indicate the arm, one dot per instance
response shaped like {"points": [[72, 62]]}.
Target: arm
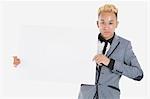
{"points": [[130, 68]]}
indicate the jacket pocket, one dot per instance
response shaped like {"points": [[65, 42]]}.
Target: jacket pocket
{"points": [[114, 88]]}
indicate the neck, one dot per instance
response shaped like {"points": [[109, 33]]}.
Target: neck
{"points": [[107, 38]]}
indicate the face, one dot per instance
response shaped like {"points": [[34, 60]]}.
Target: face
{"points": [[107, 22]]}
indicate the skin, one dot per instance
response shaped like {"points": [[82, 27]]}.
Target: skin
{"points": [[16, 61], [107, 23]]}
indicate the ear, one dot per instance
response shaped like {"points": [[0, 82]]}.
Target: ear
{"points": [[97, 24], [117, 24]]}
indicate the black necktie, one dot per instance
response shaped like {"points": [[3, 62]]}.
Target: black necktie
{"points": [[105, 46]]}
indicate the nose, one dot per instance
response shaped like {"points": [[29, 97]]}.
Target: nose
{"points": [[106, 26]]}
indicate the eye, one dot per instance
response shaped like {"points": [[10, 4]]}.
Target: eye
{"points": [[102, 22], [110, 23]]}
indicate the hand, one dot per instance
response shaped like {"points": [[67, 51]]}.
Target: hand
{"points": [[101, 59], [16, 61]]}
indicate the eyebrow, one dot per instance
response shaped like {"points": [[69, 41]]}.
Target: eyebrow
{"points": [[109, 21]]}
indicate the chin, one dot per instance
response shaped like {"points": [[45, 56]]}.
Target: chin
{"points": [[107, 35]]}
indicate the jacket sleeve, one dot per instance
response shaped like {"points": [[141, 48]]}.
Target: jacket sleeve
{"points": [[130, 67]]}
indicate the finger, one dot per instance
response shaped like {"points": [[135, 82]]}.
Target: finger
{"points": [[94, 58], [98, 58], [14, 56], [100, 64], [99, 61], [16, 61]]}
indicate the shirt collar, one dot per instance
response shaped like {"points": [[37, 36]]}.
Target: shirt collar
{"points": [[100, 38]]}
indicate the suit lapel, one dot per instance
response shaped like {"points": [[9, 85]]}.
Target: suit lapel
{"points": [[113, 46]]}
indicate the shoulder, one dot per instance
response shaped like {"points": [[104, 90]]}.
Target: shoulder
{"points": [[123, 41]]}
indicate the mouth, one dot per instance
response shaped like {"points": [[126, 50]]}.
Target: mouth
{"points": [[107, 32]]}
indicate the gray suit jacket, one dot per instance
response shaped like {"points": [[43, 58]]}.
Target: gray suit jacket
{"points": [[107, 78], [125, 64]]}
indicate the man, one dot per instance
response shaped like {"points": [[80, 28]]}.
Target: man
{"points": [[116, 61]]}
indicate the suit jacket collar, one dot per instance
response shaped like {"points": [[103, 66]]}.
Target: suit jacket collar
{"points": [[113, 46], [101, 39]]}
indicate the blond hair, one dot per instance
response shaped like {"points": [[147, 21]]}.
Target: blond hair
{"points": [[108, 8]]}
